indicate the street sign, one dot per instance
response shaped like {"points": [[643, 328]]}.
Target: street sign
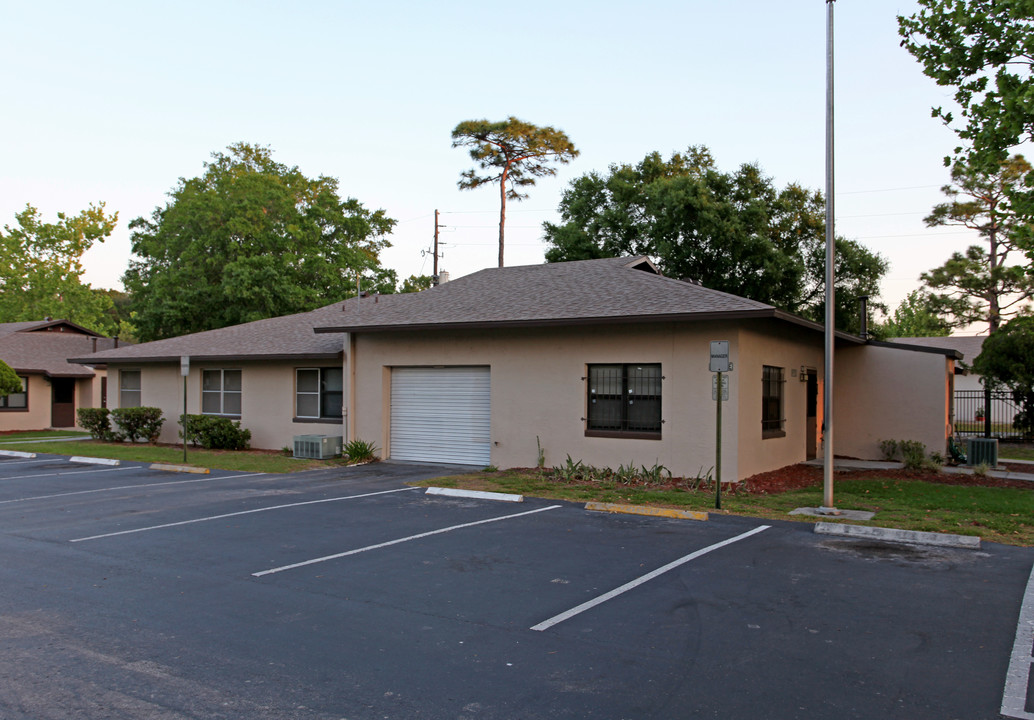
{"points": [[720, 356], [725, 387], [184, 365]]}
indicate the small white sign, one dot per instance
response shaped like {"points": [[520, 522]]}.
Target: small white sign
{"points": [[725, 387], [184, 365], [720, 356]]}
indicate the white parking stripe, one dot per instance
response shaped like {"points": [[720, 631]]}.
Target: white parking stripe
{"points": [[236, 514], [37, 461], [1014, 699], [123, 487], [69, 472], [401, 540], [556, 619]]}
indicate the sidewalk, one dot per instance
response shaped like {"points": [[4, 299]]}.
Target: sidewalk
{"points": [[843, 464]]}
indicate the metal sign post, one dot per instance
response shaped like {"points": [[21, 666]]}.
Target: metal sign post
{"points": [[719, 391], [185, 371]]}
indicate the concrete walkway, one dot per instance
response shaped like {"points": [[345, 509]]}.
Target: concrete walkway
{"points": [[844, 464]]}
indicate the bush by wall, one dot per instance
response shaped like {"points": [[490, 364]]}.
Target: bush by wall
{"points": [[138, 423], [216, 433], [96, 421]]}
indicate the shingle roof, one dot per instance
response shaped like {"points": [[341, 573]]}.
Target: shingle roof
{"points": [[49, 352], [587, 291], [286, 337], [46, 325], [969, 346]]}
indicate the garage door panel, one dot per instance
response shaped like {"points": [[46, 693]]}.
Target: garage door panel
{"points": [[441, 415]]}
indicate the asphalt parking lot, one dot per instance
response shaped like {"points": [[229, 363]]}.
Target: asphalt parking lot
{"points": [[127, 592]]}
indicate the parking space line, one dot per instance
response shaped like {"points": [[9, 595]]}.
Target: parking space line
{"points": [[1014, 698], [241, 512], [336, 556], [556, 619], [37, 461], [121, 487], [69, 472]]}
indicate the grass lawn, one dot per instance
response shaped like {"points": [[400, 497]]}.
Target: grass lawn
{"points": [[240, 460], [996, 514], [1015, 451]]}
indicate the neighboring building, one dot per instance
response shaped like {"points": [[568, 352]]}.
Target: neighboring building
{"points": [[603, 360], [54, 388]]}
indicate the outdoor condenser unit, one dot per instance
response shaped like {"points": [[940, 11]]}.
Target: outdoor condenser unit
{"points": [[982, 451], [317, 447]]}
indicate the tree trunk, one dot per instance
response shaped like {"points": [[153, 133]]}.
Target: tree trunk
{"points": [[502, 211]]}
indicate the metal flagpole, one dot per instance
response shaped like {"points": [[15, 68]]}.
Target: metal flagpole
{"points": [[827, 394]]}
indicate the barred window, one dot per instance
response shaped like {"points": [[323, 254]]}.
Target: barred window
{"points": [[221, 392], [319, 392], [772, 402], [624, 400]]}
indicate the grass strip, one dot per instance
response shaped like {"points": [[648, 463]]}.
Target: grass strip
{"points": [[1003, 515]]}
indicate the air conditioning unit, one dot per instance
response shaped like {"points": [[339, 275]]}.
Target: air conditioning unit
{"points": [[317, 447], [982, 451]]}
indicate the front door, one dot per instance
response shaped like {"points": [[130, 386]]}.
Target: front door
{"points": [[62, 409], [812, 421]]}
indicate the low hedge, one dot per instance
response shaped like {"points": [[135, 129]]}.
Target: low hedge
{"points": [[216, 433], [138, 423], [96, 421]]}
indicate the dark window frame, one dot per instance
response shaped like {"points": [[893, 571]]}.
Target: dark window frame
{"points": [[773, 399], [5, 400], [324, 397], [603, 424]]}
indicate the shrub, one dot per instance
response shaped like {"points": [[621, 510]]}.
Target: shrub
{"points": [[216, 433], [359, 451], [96, 421], [138, 423]]}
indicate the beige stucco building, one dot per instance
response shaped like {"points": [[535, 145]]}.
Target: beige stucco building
{"points": [[605, 361], [54, 388]]}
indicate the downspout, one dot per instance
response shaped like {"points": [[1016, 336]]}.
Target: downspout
{"points": [[350, 405]]}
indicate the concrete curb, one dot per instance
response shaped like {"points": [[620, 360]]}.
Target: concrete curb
{"points": [[650, 511], [476, 494], [912, 537], [17, 454], [179, 468], [94, 461]]}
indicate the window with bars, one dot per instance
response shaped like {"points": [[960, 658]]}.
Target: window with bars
{"points": [[319, 392], [221, 392], [772, 402], [624, 400], [16, 401], [129, 388]]}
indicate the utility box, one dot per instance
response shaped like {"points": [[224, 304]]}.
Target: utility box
{"points": [[317, 447], [982, 451]]}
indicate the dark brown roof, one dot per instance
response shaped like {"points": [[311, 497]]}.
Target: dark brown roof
{"points": [[969, 346], [287, 337], [47, 325], [48, 353], [583, 292]]}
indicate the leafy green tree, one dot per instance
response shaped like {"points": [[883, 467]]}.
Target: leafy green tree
{"points": [[984, 49], [9, 380], [249, 239], [979, 285], [734, 232], [1005, 360], [917, 316], [512, 153], [416, 283], [41, 268]]}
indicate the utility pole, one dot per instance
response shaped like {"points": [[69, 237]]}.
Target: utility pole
{"points": [[827, 389], [434, 250]]}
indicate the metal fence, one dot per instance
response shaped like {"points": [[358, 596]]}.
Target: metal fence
{"points": [[971, 410]]}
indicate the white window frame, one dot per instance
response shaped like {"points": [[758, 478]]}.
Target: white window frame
{"points": [[221, 393], [122, 389], [318, 393]]}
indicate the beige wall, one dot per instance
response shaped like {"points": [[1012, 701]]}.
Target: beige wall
{"points": [[267, 399], [37, 417], [789, 348], [538, 389], [887, 394]]}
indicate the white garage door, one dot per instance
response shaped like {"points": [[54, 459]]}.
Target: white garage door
{"points": [[441, 415]]}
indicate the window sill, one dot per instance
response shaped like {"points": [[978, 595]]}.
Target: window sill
{"points": [[14, 409], [229, 417], [625, 434], [325, 421], [766, 434]]}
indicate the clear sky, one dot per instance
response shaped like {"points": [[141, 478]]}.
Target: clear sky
{"points": [[115, 101]]}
